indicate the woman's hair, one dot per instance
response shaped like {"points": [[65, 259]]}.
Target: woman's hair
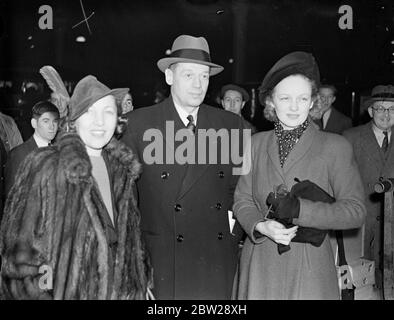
{"points": [[264, 97]]}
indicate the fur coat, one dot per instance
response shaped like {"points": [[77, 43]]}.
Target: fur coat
{"points": [[54, 228]]}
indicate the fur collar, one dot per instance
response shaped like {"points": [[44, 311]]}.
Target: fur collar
{"points": [[74, 159]]}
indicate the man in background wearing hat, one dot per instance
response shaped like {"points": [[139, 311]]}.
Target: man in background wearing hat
{"points": [[332, 120], [184, 207], [375, 157], [233, 99], [45, 117]]}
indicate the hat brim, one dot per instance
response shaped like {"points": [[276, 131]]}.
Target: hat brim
{"points": [[164, 63], [118, 94], [367, 103]]}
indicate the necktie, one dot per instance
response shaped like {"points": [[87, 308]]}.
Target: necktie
{"points": [[385, 143], [191, 126]]}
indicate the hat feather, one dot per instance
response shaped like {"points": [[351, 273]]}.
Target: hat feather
{"points": [[56, 84]]}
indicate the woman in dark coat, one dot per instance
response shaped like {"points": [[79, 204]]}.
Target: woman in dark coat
{"points": [[71, 227], [295, 149]]}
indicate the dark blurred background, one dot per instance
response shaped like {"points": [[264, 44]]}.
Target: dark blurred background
{"points": [[245, 36]]}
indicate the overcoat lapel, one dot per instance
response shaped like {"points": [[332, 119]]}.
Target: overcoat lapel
{"points": [[273, 153], [195, 171], [169, 117], [300, 148], [371, 147]]}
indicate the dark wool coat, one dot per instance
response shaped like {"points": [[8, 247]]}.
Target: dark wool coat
{"points": [[184, 207], [15, 158], [55, 217], [337, 122], [373, 165], [304, 272]]}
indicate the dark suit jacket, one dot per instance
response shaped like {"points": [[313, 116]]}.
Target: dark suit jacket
{"points": [[337, 122], [15, 158], [184, 207], [372, 165], [3, 159]]}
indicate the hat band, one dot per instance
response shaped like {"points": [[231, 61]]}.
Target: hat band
{"points": [[194, 54], [383, 95]]}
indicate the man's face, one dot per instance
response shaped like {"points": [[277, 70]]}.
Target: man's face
{"points": [[127, 103], [327, 98], [383, 120], [189, 83], [97, 125], [232, 101], [46, 125]]}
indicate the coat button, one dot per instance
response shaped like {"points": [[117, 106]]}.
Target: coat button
{"points": [[178, 207], [218, 206], [220, 236], [179, 238], [221, 174], [164, 175]]}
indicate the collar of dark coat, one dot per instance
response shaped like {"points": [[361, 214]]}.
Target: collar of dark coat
{"points": [[76, 163]]}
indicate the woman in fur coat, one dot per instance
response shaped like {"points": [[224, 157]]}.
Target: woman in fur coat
{"points": [[71, 226]]}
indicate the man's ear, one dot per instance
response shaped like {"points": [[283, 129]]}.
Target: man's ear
{"points": [[222, 103], [333, 99], [33, 123], [242, 105], [370, 112], [169, 76]]}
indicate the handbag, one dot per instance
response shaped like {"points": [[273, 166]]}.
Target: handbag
{"points": [[345, 280]]}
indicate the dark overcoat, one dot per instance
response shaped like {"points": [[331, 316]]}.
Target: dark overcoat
{"points": [[337, 122], [305, 271], [184, 207], [15, 158], [372, 164]]}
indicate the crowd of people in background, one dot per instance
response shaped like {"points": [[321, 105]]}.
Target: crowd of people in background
{"points": [[79, 195]]}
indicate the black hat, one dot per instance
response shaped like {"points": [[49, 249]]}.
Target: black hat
{"points": [[234, 87], [297, 62], [380, 93]]}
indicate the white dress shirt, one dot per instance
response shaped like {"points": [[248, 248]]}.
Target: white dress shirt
{"points": [[40, 141], [325, 117], [183, 114], [379, 134]]}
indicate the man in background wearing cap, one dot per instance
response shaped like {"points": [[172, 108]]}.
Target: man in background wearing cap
{"points": [[184, 207], [45, 117], [233, 99], [332, 120], [375, 157]]}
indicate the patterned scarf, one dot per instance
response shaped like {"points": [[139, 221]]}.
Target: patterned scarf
{"points": [[288, 138]]}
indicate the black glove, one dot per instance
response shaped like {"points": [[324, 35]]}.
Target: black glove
{"points": [[307, 190], [311, 191], [284, 208]]}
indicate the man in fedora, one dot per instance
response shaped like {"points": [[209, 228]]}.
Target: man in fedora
{"points": [[233, 99], [375, 157], [184, 206]]}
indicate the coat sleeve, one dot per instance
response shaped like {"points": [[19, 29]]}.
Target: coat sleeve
{"points": [[245, 208], [349, 210]]}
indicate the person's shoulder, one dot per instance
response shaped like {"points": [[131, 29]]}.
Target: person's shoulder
{"points": [[341, 115], [219, 114], [333, 142], [356, 131]]}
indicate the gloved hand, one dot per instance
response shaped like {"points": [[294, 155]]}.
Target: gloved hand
{"points": [[308, 190], [284, 208]]}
